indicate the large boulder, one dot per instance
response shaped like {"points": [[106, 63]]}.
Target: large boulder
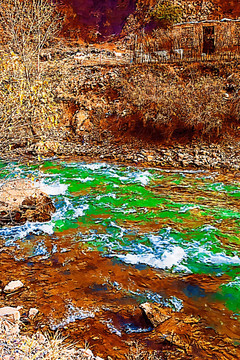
{"points": [[21, 201], [155, 313]]}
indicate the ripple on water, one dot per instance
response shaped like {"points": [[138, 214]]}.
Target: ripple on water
{"points": [[72, 314], [184, 222]]}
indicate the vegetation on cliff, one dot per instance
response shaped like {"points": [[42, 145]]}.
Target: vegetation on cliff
{"points": [[169, 106], [165, 10]]}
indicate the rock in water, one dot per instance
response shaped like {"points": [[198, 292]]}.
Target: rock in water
{"points": [[155, 313], [33, 313], [13, 286], [21, 201]]}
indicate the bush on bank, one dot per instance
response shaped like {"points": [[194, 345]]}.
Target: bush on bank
{"points": [[166, 105]]}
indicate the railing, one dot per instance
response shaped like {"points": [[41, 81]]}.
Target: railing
{"points": [[164, 57], [179, 55]]}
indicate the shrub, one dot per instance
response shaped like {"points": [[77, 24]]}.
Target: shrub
{"points": [[26, 26], [166, 104], [28, 111], [166, 11]]}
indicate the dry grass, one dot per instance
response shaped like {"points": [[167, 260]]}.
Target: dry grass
{"points": [[166, 104], [14, 346], [27, 110], [35, 348]]}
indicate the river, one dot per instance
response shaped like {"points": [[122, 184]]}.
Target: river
{"points": [[122, 236]]}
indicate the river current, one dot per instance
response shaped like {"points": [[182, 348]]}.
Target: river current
{"points": [[177, 222]]}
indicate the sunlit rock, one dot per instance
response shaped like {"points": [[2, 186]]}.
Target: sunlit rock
{"points": [[21, 201], [155, 313], [87, 354], [83, 122], [32, 313], [48, 148], [13, 286], [10, 313]]}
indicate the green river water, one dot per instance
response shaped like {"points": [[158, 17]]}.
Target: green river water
{"points": [[179, 221]]}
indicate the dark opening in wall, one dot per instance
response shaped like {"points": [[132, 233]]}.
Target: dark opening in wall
{"points": [[208, 39]]}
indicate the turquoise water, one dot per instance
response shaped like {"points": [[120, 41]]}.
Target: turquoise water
{"points": [[181, 222]]}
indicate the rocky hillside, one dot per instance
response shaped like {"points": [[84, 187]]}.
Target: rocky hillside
{"points": [[93, 20], [208, 9]]}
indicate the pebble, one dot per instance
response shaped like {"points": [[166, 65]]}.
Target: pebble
{"points": [[32, 313], [13, 286], [87, 354]]}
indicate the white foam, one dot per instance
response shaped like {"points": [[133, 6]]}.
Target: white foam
{"points": [[73, 313], [143, 178], [80, 211], [186, 208], [167, 260], [183, 171], [84, 180], [93, 167], [122, 229], [120, 177], [20, 232], [112, 328], [40, 249], [53, 189], [208, 228], [234, 283], [47, 228], [129, 211], [160, 241], [220, 259], [219, 187], [110, 195]]}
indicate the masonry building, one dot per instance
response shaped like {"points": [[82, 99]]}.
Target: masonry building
{"points": [[207, 37]]}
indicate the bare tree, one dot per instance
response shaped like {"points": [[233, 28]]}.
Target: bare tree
{"points": [[28, 112], [26, 27]]}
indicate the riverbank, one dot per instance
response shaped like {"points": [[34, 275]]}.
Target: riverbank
{"points": [[182, 115], [107, 317], [221, 157]]}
